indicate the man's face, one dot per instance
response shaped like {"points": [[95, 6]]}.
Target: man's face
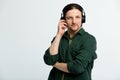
{"points": [[73, 20]]}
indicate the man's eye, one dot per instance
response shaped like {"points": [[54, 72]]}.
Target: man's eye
{"points": [[77, 16], [68, 18]]}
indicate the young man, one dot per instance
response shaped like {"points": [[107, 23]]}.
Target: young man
{"points": [[71, 52]]}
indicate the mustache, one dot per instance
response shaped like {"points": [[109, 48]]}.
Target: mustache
{"points": [[74, 24]]}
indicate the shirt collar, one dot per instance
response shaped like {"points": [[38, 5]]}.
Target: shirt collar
{"points": [[81, 31]]}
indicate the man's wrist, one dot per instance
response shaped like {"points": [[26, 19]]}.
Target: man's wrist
{"points": [[58, 35]]}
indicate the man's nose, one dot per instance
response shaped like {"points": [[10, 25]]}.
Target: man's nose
{"points": [[74, 20]]}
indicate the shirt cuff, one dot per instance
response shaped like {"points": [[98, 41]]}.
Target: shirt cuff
{"points": [[50, 59]]}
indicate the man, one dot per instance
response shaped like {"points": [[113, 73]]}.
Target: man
{"points": [[71, 52]]}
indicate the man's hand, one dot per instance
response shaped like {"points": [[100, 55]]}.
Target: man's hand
{"points": [[62, 26]]}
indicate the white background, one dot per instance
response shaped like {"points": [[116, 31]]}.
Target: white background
{"points": [[28, 26]]}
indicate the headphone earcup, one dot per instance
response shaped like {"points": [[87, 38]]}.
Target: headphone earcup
{"points": [[83, 19]]}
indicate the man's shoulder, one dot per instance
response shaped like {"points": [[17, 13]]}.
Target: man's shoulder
{"points": [[89, 35]]}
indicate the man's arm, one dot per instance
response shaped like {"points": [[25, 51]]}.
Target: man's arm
{"points": [[51, 55], [61, 66], [61, 29], [54, 46]]}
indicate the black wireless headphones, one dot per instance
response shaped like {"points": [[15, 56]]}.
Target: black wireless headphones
{"points": [[69, 7]]}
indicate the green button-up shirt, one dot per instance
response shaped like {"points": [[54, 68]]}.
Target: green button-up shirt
{"points": [[79, 56]]}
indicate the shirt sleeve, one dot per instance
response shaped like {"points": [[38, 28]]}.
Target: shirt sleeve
{"points": [[50, 59], [85, 56]]}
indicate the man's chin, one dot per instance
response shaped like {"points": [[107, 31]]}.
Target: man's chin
{"points": [[75, 29]]}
